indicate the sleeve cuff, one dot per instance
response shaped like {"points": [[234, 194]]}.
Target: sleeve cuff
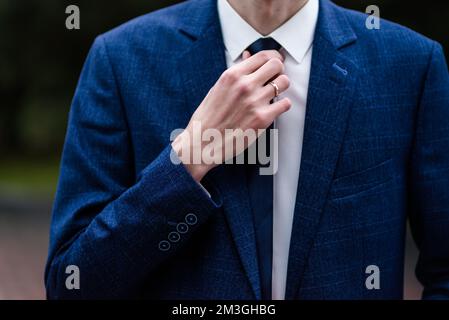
{"points": [[177, 193]]}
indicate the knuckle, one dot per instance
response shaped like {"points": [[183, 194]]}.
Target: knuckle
{"points": [[277, 63], [264, 55], [243, 88], [260, 117], [229, 76], [251, 103]]}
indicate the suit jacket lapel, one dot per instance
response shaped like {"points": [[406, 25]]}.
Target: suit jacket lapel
{"points": [[332, 81], [200, 67]]}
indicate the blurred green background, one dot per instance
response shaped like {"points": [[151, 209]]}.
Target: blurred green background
{"points": [[40, 61]]}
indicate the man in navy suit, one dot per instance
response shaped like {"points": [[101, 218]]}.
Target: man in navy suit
{"points": [[362, 118]]}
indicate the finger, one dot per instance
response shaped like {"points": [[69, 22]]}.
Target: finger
{"points": [[269, 92], [274, 110], [268, 71], [254, 62], [245, 55]]}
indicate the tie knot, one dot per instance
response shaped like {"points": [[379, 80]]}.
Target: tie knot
{"points": [[263, 44]]}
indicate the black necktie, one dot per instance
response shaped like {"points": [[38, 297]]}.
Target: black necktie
{"points": [[261, 197], [263, 44]]}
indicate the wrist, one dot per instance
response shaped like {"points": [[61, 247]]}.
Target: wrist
{"points": [[196, 170]]}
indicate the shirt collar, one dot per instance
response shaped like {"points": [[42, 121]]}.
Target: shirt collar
{"points": [[295, 36]]}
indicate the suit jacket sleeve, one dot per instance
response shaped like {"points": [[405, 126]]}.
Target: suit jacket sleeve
{"points": [[430, 180], [114, 227]]}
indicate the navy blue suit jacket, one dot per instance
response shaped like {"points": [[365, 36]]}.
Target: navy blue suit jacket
{"points": [[376, 152]]}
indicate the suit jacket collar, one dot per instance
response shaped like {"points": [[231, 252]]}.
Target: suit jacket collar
{"points": [[198, 17], [332, 85], [334, 26]]}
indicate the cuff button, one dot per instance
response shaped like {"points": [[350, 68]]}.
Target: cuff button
{"points": [[182, 227], [164, 245], [174, 236], [191, 219]]}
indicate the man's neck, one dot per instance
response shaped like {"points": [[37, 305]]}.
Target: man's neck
{"points": [[265, 16]]}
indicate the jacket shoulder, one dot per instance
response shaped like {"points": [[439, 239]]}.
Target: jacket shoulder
{"points": [[157, 29]]}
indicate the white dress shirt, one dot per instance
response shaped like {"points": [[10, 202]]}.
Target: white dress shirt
{"points": [[296, 38]]}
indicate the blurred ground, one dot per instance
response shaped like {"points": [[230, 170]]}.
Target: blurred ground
{"points": [[24, 227], [26, 192]]}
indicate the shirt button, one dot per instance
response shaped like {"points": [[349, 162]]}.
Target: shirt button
{"points": [[174, 236], [191, 219], [182, 227], [164, 245]]}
